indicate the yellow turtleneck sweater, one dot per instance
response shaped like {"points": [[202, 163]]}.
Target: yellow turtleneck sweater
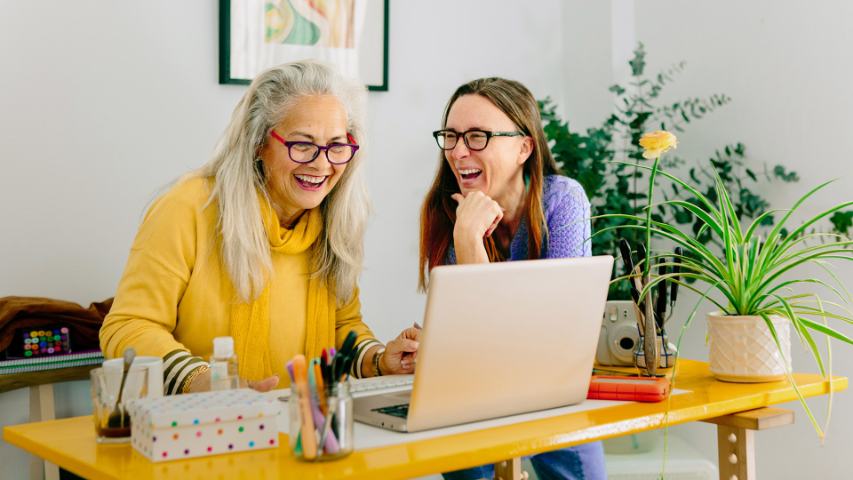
{"points": [[175, 293]]}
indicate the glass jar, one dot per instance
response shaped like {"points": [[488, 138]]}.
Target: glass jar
{"points": [[327, 431], [111, 390]]}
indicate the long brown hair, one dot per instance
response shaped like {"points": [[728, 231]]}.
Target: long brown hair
{"points": [[438, 213]]}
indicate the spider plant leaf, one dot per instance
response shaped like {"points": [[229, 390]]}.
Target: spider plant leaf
{"points": [[750, 231], [826, 330], [790, 376], [803, 333], [814, 219], [775, 234], [772, 291]]}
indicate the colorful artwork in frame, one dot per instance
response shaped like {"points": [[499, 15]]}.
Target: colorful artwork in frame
{"points": [[350, 34]]}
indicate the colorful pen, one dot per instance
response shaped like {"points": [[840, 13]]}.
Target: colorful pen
{"points": [[321, 384], [300, 377], [349, 343]]}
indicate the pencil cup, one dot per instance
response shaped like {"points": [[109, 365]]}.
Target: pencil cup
{"points": [[321, 425]]}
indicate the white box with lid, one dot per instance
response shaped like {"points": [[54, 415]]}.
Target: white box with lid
{"points": [[201, 424]]}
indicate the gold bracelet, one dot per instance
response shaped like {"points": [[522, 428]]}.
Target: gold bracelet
{"points": [[185, 388], [377, 357]]}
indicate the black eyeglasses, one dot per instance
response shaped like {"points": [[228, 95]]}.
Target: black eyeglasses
{"points": [[307, 152], [475, 139]]}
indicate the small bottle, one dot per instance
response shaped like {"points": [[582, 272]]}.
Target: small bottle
{"points": [[223, 365]]}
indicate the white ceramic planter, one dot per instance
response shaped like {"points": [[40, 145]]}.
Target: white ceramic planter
{"points": [[742, 348]]}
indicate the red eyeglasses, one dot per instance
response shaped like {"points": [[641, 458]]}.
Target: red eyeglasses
{"points": [[307, 152]]}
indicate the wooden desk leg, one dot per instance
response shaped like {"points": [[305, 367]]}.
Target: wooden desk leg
{"points": [[736, 443], [735, 453], [42, 407], [510, 470]]}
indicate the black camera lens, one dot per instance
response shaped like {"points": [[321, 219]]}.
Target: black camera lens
{"points": [[627, 343]]}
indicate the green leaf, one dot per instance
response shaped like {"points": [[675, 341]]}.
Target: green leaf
{"points": [[683, 216], [780, 172], [791, 381], [818, 327], [638, 62], [842, 221]]}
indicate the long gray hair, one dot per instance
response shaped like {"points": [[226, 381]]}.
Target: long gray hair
{"points": [[338, 254]]}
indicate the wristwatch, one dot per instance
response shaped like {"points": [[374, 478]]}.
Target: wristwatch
{"points": [[376, 360]]}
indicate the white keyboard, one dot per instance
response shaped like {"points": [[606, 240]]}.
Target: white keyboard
{"points": [[363, 387]]}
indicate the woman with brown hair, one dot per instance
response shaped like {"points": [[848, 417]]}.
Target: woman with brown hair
{"points": [[498, 196]]}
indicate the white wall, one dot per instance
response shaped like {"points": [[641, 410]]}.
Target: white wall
{"points": [[103, 103]]}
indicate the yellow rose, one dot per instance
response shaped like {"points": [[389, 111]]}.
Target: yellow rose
{"points": [[657, 143]]}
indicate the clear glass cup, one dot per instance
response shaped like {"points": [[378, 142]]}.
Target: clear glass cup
{"points": [[331, 423], [112, 421]]}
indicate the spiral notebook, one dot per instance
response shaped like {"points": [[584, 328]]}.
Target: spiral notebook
{"points": [[9, 367]]}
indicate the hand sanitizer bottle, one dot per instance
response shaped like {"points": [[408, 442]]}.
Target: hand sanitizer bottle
{"points": [[223, 365]]}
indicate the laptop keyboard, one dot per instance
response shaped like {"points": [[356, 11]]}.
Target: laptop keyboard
{"points": [[363, 387], [401, 411]]}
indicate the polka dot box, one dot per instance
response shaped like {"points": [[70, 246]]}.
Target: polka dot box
{"points": [[199, 424]]}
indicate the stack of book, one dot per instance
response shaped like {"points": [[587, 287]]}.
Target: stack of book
{"points": [[33, 364]]}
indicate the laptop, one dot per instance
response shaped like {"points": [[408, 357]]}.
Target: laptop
{"points": [[499, 339]]}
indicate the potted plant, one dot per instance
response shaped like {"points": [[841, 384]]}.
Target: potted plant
{"points": [[751, 279]]}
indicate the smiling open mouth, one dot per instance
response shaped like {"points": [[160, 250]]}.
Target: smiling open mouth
{"points": [[310, 182], [470, 173]]}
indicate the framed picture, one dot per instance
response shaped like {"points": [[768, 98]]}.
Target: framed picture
{"points": [[350, 34]]}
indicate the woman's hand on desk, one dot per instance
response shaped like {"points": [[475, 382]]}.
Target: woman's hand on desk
{"points": [[401, 353], [264, 385]]}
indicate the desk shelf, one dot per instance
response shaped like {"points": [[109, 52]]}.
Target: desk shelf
{"points": [[15, 381]]}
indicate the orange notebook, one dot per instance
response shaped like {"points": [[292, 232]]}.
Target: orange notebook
{"points": [[633, 389]]}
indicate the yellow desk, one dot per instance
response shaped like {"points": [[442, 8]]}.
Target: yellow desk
{"points": [[70, 443]]}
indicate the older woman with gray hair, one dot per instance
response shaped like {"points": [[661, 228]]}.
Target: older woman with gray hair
{"points": [[263, 244]]}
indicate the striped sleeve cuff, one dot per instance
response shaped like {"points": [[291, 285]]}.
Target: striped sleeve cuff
{"points": [[362, 349], [177, 367]]}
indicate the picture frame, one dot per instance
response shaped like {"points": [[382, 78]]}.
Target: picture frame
{"points": [[257, 34]]}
